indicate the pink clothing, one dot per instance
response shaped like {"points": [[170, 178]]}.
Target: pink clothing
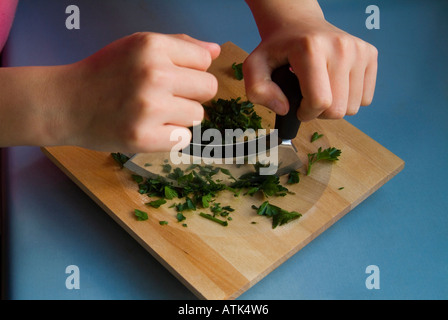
{"points": [[7, 11]]}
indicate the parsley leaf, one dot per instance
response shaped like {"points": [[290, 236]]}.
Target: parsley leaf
{"points": [[170, 193], [330, 154], [120, 158], [156, 203], [293, 177], [180, 217], [269, 185], [141, 215], [279, 216], [316, 136], [238, 70], [212, 218]]}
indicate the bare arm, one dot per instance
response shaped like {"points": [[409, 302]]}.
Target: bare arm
{"points": [[130, 96]]}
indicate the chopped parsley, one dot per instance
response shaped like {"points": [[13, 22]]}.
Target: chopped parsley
{"points": [[198, 187], [141, 215], [231, 114], [156, 203], [293, 177], [330, 154], [279, 216], [120, 158], [238, 70], [316, 136], [212, 218]]}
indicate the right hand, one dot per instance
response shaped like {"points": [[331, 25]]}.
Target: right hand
{"points": [[132, 94]]}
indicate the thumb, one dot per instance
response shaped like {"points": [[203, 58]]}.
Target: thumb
{"points": [[260, 89]]}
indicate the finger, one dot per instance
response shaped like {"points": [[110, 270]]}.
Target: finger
{"points": [[356, 81], [370, 79], [314, 83], [212, 47], [193, 84], [340, 87], [185, 51], [168, 137], [260, 88], [182, 112]]}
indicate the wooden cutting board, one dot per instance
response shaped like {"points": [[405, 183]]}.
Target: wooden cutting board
{"points": [[217, 262]]}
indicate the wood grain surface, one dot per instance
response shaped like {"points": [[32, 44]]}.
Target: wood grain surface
{"points": [[217, 262]]}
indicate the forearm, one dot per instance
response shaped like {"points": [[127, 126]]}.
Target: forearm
{"points": [[29, 106], [274, 14]]}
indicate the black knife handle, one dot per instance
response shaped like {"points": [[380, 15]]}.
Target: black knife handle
{"points": [[288, 125]]}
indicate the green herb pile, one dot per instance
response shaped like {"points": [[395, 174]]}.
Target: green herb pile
{"points": [[231, 114], [198, 187]]}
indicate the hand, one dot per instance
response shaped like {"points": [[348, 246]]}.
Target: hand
{"points": [[131, 95], [336, 71]]}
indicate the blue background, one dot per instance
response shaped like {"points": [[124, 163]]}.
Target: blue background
{"points": [[49, 223]]}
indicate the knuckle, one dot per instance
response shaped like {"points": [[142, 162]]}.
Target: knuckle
{"points": [[343, 44], [183, 36], [374, 51], [310, 44]]}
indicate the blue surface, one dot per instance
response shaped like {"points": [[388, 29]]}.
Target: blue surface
{"points": [[402, 228]]}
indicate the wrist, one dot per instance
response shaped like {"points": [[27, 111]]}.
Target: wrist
{"points": [[272, 15]]}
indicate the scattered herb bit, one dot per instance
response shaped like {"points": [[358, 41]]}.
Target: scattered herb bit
{"points": [[170, 193], [293, 177], [147, 164], [166, 168], [187, 205], [137, 178], [253, 222], [227, 172], [184, 225], [212, 218], [141, 215], [279, 216], [340, 188], [330, 154], [163, 223], [254, 182], [120, 158], [238, 70], [180, 217], [156, 203], [316, 136], [228, 208]]}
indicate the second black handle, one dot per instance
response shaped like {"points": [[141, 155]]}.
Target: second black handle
{"points": [[288, 125]]}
